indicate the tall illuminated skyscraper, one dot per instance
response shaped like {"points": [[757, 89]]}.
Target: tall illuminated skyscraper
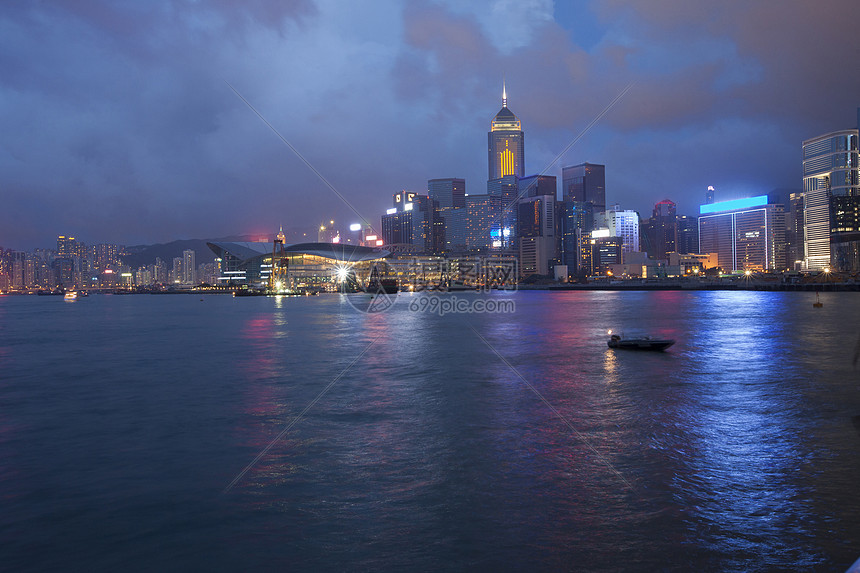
{"points": [[831, 202], [506, 148]]}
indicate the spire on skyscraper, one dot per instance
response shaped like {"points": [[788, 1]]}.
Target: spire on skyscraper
{"points": [[504, 93]]}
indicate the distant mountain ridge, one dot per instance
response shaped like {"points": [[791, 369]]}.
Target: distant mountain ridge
{"points": [[143, 255]]}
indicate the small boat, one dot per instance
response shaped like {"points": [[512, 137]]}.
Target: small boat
{"points": [[642, 343], [70, 296], [817, 303]]}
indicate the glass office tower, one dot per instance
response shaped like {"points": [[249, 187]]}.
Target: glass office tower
{"points": [[831, 202]]}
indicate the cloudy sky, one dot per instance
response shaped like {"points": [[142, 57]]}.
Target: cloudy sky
{"points": [[118, 122]]}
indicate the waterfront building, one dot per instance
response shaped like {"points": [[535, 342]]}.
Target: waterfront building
{"points": [[746, 234], [831, 203], [692, 263], [505, 143], [604, 251], [585, 183], [311, 265], [794, 243]]}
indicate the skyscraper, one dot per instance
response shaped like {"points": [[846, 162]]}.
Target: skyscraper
{"points": [[505, 192], [66, 246], [794, 232], [831, 202], [536, 234], [483, 215], [448, 193], [585, 183], [746, 234], [189, 267], [662, 231], [505, 143], [625, 225], [577, 220], [409, 222], [535, 185], [688, 234]]}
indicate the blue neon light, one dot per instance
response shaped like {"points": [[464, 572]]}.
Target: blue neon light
{"points": [[734, 205]]}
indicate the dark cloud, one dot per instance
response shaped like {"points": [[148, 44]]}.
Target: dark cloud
{"points": [[116, 123]]}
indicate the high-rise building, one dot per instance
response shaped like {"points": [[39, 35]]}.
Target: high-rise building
{"points": [[17, 275], [505, 143], [506, 191], [831, 203], [447, 193], [688, 234], [625, 225], [409, 222], [189, 267], [66, 246], [661, 234], [455, 230], [794, 251], [535, 185], [605, 250], [746, 234], [537, 234], [585, 183], [176, 275], [577, 221], [483, 226], [106, 255]]}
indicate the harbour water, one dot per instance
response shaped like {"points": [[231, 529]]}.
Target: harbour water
{"points": [[411, 440]]}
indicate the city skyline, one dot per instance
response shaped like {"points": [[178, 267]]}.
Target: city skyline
{"points": [[121, 129]]}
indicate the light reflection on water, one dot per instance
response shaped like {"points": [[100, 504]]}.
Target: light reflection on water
{"points": [[430, 452]]}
